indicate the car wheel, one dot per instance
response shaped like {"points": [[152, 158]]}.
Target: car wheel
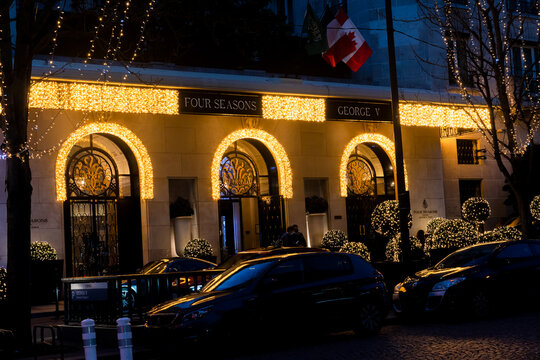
{"points": [[369, 319], [480, 304]]}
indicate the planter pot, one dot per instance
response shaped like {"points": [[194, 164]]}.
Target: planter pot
{"points": [[45, 280], [317, 226], [182, 232]]}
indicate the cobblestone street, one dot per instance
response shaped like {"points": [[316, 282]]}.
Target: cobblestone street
{"points": [[510, 337]]}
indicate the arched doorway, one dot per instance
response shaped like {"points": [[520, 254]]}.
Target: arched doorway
{"points": [[102, 213], [251, 209], [370, 180]]}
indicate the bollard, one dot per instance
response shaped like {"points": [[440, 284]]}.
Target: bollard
{"points": [[89, 339], [124, 339]]}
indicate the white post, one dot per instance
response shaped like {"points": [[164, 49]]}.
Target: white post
{"points": [[124, 339], [89, 339]]}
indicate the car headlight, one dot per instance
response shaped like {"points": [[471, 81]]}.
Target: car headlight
{"points": [[444, 285], [197, 314]]}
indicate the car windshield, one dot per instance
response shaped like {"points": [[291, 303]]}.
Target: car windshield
{"points": [[237, 277], [469, 257], [154, 267], [237, 258]]}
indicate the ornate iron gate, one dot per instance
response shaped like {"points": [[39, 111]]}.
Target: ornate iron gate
{"points": [[91, 209], [271, 217]]}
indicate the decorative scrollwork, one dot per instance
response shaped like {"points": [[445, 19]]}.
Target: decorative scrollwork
{"points": [[360, 177], [92, 174], [238, 177]]}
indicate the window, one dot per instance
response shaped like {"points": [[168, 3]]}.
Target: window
{"points": [[287, 273], [466, 151], [518, 251], [469, 189], [525, 68], [325, 267], [457, 55], [526, 6]]}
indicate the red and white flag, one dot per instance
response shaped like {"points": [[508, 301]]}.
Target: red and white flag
{"points": [[345, 43]]}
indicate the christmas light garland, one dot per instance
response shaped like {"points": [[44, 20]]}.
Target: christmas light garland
{"points": [[535, 207], [453, 234], [146, 176], [385, 218], [357, 248], [276, 149], [476, 210]]}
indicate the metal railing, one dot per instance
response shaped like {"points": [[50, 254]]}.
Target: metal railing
{"points": [[106, 298]]}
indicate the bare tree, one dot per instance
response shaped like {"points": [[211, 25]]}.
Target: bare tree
{"points": [[492, 56]]}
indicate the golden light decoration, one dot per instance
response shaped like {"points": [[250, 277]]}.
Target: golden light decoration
{"points": [[135, 144], [277, 150], [434, 115], [100, 97], [293, 108], [386, 144]]}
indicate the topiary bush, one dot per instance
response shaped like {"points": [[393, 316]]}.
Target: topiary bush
{"points": [[333, 240], [535, 207], [501, 233], [198, 248], [357, 248], [476, 210], [42, 251], [385, 218], [3, 284], [453, 234], [434, 223], [393, 248]]}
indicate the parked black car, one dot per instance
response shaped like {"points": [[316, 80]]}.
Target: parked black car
{"points": [[474, 281], [263, 252], [164, 265], [288, 293]]}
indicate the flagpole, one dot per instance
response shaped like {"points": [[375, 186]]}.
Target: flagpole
{"points": [[402, 193]]}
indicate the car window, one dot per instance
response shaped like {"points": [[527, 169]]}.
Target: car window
{"points": [[515, 251], [326, 266], [157, 268], [285, 274], [239, 277], [468, 257], [235, 259], [187, 265], [536, 248]]}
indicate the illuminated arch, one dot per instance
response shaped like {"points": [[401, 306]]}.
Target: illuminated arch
{"points": [[278, 152], [385, 143], [135, 144]]}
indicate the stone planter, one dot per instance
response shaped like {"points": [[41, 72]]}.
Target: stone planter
{"points": [[317, 226], [182, 232]]}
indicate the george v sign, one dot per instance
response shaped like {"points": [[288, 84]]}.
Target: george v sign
{"points": [[346, 109]]}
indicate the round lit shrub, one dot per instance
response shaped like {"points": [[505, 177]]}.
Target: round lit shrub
{"points": [[198, 248], [393, 248], [357, 248], [501, 233], [535, 207], [3, 284], [434, 223], [41, 251], [333, 240], [385, 218], [476, 209], [453, 234]]}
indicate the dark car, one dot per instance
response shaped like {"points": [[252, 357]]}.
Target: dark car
{"points": [[161, 266], [474, 281], [263, 252], [280, 294]]}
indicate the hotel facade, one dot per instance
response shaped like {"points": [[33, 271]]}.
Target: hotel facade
{"points": [[245, 149]]}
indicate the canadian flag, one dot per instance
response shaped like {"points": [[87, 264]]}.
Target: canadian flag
{"points": [[345, 43]]}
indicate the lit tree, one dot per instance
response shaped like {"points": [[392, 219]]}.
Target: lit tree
{"points": [[27, 28], [492, 62]]}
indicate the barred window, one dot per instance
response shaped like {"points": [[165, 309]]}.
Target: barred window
{"points": [[466, 151]]}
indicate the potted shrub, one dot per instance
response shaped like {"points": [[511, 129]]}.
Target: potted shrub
{"points": [[316, 219], [450, 236], [46, 273], [333, 240], [181, 213], [201, 249], [357, 248]]}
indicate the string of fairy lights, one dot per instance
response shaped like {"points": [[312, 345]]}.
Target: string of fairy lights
{"points": [[478, 12]]}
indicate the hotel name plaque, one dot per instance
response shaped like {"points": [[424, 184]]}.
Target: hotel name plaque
{"points": [[346, 109], [208, 102]]}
